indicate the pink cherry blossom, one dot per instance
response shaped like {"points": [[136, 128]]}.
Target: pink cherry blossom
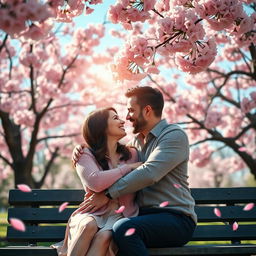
{"points": [[219, 14], [235, 226], [89, 10], [213, 119], [217, 212], [176, 185], [163, 204], [126, 12], [130, 232], [247, 105], [199, 58], [63, 206], [24, 188], [17, 224], [120, 209], [248, 207]]}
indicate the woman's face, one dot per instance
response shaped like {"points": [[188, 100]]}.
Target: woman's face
{"points": [[115, 125]]}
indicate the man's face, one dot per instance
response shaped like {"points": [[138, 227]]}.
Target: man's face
{"points": [[135, 115]]}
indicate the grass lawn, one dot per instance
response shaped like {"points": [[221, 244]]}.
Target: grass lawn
{"points": [[3, 228]]}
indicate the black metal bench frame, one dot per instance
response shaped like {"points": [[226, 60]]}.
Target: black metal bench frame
{"points": [[39, 211]]}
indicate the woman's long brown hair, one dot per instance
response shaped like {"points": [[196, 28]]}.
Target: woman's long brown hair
{"points": [[95, 134]]}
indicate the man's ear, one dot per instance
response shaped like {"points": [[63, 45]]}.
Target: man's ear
{"points": [[148, 110]]}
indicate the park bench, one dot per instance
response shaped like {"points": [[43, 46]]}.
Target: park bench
{"points": [[39, 211]]}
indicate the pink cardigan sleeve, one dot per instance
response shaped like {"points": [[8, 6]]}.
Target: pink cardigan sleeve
{"points": [[93, 177]]}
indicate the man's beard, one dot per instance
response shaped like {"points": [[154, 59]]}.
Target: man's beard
{"points": [[139, 124]]}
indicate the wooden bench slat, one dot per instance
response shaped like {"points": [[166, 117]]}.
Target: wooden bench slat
{"points": [[185, 250], [46, 197], [224, 232], [205, 214], [202, 233], [75, 196], [218, 195], [228, 213], [205, 250], [40, 215], [28, 251]]}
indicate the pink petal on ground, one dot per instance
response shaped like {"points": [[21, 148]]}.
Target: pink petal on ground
{"points": [[17, 224], [176, 185], [242, 149], [235, 226], [163, 204], [217, 212], [24, 188], [130, 232], [248, 207], [120, 210], [63, 206]]}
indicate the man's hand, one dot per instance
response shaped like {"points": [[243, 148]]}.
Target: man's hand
{"points": [[77, 152], [93, 202]]}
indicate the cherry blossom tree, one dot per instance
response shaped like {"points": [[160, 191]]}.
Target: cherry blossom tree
{"points": [[200, 53], [39, 109]]}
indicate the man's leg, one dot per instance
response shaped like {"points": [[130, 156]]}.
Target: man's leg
{"points": [[163, 229]]}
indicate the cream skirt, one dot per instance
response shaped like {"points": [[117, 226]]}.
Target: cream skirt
{"points": [[78, 221]]}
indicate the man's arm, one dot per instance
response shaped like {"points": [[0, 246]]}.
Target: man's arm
{"points": [[172, 149]]}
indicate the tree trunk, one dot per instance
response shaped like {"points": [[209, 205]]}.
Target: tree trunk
{"points": [[22, 176]]}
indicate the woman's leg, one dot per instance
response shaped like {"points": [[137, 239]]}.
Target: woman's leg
{"points": [[100, 243], [80, 242]]}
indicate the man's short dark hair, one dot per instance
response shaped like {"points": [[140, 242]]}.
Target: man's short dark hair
{"points": [[147, 95]]}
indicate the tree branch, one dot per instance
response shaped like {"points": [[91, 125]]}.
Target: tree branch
{"points": [[4, 41], [10, 59], [67, 105], [6, 161], [252, 50], [57, 137], [47, 168], [39, 116], [155, 11]]}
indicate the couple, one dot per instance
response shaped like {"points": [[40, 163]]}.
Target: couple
{"points": [[139, 178]]}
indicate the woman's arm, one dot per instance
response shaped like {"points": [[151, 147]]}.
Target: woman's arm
{"points": [[94, 178]]}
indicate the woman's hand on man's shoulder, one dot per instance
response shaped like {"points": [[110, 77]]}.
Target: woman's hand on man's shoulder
{"points": [[77, 152]]}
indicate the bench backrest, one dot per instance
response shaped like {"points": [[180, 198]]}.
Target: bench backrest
{"points": [[39, 211]]}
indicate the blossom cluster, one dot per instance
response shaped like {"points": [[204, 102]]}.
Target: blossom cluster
{"points": [[184, 29], [34, 19], [19, 17]]}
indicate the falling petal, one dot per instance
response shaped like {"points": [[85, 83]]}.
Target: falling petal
{"points": [[17, 224], [24, 188], [120, 210], [163, 204], [177, 185], [235, 226], [217, 212], [130, 232], [63, 206], [242, 149], [248, 207]]}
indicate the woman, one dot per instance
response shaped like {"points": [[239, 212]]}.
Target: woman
{"points": [[104, 161]]}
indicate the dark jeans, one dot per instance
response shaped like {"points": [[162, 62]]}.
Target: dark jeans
{"points": [[153, 228]]}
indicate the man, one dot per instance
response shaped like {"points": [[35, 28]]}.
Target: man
{"points": [[161, 180]]}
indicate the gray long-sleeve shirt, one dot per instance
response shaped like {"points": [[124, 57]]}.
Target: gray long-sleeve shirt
{"points": [[163, 176]]}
